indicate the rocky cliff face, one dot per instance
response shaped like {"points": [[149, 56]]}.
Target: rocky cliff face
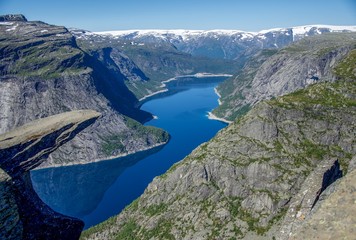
{"points": [[251, 175], [22, 213], [270, 74], [158, 60], [334, 215], [163, 54], [44, 72]]}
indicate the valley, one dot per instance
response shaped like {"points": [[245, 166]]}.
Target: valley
{"points": [[170, 172], [104, 188]]}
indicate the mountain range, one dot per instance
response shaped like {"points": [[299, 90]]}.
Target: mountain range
{"points": [[271, 173], [265, 175], [227, 44]]}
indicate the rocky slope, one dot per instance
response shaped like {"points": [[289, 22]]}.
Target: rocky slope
{"points": [[158, 61], [44, 72], [255, 178], [334, 215], [22, 213], [163, 54], [272, 73]]}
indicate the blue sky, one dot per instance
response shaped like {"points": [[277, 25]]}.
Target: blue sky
{"points": [[248, 15]]}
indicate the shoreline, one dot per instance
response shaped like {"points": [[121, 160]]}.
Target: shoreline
{"points": [[152, 94], [197, 75], [102, 159], [211, 116], [217, 93]]}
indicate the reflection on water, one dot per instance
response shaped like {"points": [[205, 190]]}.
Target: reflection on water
{"points": [[77, 190]]}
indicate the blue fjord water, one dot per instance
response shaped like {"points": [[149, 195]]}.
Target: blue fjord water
{"points": [[96, 191]]}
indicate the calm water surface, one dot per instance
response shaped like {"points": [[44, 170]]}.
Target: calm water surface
{"points": [[97, 191]]}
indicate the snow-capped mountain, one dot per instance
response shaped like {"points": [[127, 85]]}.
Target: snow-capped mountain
{"points": [[187, 34], [227, 44]]}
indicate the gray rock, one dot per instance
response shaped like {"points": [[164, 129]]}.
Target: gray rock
{"points": [[302, 204], [294, 67], [243, 181], [23, 214], [335, 217], [44, 72], [12, 18]]}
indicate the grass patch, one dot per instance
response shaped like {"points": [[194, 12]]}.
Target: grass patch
{"points": [[346, 69], [113, 144], [128, 231], [323, 94], [155, 209], [98, 228]]}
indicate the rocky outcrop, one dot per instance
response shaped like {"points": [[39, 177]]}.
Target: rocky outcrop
{"points": [[13, 17], [302, 204], [44, 72], [270, 74], [334, 217], [23, 215], [242, 182]]}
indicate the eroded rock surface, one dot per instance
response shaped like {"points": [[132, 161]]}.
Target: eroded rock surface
{"points": [[23, 215], [43, 72], [241, 183]]}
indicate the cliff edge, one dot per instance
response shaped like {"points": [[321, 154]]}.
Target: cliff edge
{"points": [[256, 179], [23, 215]]}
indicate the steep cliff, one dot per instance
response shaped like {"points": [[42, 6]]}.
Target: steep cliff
{"points": [[163, 54], [149, 62], [252, 174], [334, 216], [22, 213], [270, 73], [44, 72]]}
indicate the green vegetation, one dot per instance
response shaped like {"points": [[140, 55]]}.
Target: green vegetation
{"points": [[114, 144], [161, 231], [346, 69], [98, 228], [320, 45], [133, 206], [160, 63], [323, 94], [158, 134], [38, 57], [294, 152], [231, 90], [155, 209], [128, 231]]}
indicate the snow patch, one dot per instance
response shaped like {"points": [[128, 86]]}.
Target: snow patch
{"points": [[6, 23], [190, 35], [180, 34], [12, 28]]}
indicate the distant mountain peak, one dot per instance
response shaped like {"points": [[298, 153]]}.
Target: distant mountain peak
{"points": [[12, 18], [184, 32]]}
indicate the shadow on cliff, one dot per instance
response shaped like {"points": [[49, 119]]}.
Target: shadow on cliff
{"points": [[77, 190], [110, 82]]}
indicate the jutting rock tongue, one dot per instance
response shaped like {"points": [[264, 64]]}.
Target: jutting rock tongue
{"points": [[22, 213]]}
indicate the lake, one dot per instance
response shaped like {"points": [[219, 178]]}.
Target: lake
{"points": [[96, 191]]}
